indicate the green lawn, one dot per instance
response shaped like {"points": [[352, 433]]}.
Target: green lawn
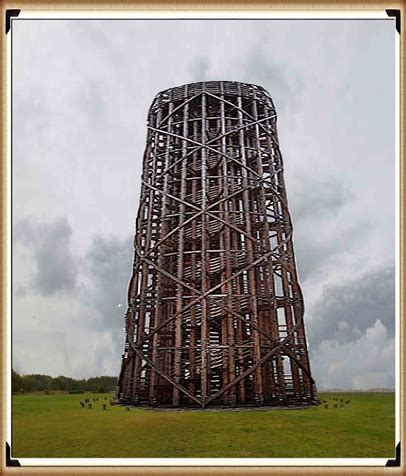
{"points": [[57, 426]]}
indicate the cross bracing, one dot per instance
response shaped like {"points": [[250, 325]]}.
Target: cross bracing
{"points": [[215, 310]]}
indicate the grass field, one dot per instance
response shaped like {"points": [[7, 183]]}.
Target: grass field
{"points": [[56, 426]]}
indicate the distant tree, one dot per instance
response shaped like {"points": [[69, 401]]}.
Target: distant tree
{"points": [[44, 383], [16, 382], [67, 382], [78, 385], [40, 382], [28, 383], [58, 384], [94, 383]]}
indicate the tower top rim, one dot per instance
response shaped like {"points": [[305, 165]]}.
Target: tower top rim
{"points": [[227, 88], [208, 84]]}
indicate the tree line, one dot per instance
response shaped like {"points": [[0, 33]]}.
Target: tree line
{"points": [[45, 383]]}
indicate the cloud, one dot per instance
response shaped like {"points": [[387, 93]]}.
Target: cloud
{"points": [[319, 199], [109, 265], [275, 76], [91, 102], [344, 312], [82, 329], [321, 230], [366, 362], [55, 265], [199, 68], [324, 246], [21, 291], [318, 204], [58, 336]]}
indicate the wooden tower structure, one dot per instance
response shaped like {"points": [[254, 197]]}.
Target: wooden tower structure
{"points": [[215, 310]]}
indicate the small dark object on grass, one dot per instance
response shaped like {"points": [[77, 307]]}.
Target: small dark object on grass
{"points": [[348, 401], [111, 402], [335, 405], [89, 405], [105, 398], [87, 400], [341, 405], [104, 406], [127, 408], [326, 406]]}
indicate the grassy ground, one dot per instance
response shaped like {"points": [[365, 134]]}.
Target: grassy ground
{"points": [[57, 426]]}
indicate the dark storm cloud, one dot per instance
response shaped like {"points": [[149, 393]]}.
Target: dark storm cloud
{"points": [[109, 264], [56, 267], [345, 312]]}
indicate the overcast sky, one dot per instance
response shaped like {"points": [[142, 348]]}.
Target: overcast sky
{"points": [[81, 92]]}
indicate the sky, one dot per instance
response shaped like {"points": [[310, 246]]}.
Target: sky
{"points": [[81, 93]]}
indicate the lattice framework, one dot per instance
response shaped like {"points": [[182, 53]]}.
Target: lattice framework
{"points": [[215, 310]]}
